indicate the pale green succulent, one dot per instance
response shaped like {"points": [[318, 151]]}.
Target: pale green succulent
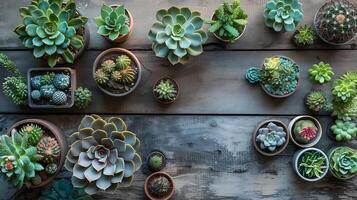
{"points": [[177, 34], [321, 73], [344, 130], [343, 162], [103, 154]]}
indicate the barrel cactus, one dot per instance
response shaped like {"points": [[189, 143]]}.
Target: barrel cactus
{"points": [[53, 29], [103, 154], [343, 162], [122, 61], [283, 14], [271, 137], [305, 131], [49, 149], [59, 98], [177, 34], [36, 82]]}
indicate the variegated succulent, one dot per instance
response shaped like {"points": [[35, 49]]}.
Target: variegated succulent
{"points": [[103, 154]]}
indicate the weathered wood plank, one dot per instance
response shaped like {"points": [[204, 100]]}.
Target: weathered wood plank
{"points": [[257, 35], [211, 157], [213, 83]]}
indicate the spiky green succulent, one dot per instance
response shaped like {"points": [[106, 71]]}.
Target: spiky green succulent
{"points": [[304, 36], [283, 14], [344, 90], [112, 22], [229, 21], [312, 164], [156, 162], [166, 90], [343, 162], [177, 34], [321, 73], [15, 88], [49, 149], [63, 189], [108, 66], [344, 130], [336, 22], [122, 62], [315, 101], [82, 97], [52, 28], [345, 110], [124, 76], [34, 133], [21, 161], [159, 186], [101, 77], [271, 137], [103, 154]]}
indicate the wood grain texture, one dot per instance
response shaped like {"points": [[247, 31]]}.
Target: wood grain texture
{"points": [[212, 83], [257, 35], [211, 157]]}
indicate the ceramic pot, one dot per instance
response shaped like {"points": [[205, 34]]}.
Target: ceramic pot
{"points": [[157, 174], [305, 117]]}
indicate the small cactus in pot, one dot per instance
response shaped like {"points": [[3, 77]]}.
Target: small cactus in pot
{"points": [[159, 185], [166, 90], [156, 161], [305, 131]]}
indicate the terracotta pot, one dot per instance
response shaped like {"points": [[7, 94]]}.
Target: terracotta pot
{"points": [[229, 41], [286, 95], [305, 117], [158, 153], [40, 71], [330, 152], [176, 86], [58, 134], [117, 51], [263, 124], [148, 179]]}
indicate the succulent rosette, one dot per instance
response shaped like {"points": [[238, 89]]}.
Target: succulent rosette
{"points": [[103, 155], [343, 162], [253, 75]]}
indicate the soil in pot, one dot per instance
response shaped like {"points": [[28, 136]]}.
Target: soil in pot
{"points": [[159, 186], [166, 90], [156, 161], [305, 131]]}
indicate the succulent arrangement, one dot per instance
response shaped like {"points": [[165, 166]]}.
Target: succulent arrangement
{"points": [[336, 22], [166, 90], [229, 21], [344, 130], [271, 137], [304, 36], [53, 29], [63, 189], [112, 22], [283, 14], [316, 101], [321, 73], [177, 34], [305, 131], [82, 97], [312, 164], [103, 154], [343, 162]]}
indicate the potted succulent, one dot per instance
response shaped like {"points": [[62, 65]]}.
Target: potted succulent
{"points": [[55, 30], [315, 101], [343, 162], [156, 161], [177, 34], [336, 23], [63, 189], [115, 23], [159, 186], [166, 90], [52, 88], [39, 142], [82, 97], [305, 131], [321, 73], [228, 22], [117, 72], [310, 164], [304, 36], [103, 154], [270, 137], [283, 15], [343, 131]]}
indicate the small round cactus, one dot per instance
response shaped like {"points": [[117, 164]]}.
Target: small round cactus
{"points": [[101, 77], [124, 76], [122, 61], [48, 148], [305, 131], [159, 186], [315, 101], [59, 98], [36, 95], [271, 137], [47, 91], [34, 133], [51, 168], [36, 82], [61, 81], [156, 161], [108, 66]]}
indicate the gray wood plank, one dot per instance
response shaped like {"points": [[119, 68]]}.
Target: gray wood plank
{"points": [[212, 83], [257, 35], [211, 157]]}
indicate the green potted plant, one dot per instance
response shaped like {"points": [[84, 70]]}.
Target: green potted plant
{"points": [[156, 161], [270, 137], [228, 22], [115, 23], [159, 186], [304, 36], [321, 73], [177, 34], [117, 72], [103, 155], [343, 131], [283, 15], [63, 189], [305, 131], [315, 101], [343, 162], [82, 97], [166, 90], [310, 164], [336, 23], [55, 30]]}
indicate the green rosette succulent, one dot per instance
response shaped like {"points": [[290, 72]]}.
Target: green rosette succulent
{"points": [[166, 90], [315, 101], [343, 162], [177, 34], [63, 189], [304, 36], [321, 73], [52, 28], [103, 155], [283, 14], [344, 90], [344, 130]]}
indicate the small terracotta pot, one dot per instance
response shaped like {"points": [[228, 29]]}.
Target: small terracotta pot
{"points": [[176, 86], [156, 174], [303, 117], [58, 134], [263, 124], [159, 153], [330, 152], [229, 41]]}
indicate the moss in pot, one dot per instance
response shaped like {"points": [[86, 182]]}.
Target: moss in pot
{"points": [[159, 186], [166, 90]]}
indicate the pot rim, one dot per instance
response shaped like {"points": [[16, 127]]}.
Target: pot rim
{"points": [[168, 178], [330, 152], [316, 122], [174, 82]]}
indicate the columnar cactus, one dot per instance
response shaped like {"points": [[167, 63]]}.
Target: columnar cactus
{"points": [[343, 162], [49, 149], [305, 131], [271, 137], [103, 154]]}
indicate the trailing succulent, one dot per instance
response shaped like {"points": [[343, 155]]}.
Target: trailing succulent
{"points": [[34, 133], [18, 161], [159, 186], [103, 154], [305, 131], [82, 97], [271, 137], [283, 14], [304, 36], [53, 29], [336, 22], [166, 90], [343, 162], [312, 164], [316, 101], [344, 130], [321, 73], [229, 21], [112, 22], [177, 34], [63, 189]]}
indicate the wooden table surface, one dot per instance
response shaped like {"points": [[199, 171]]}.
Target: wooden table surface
{"points": [[206, 134]]}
